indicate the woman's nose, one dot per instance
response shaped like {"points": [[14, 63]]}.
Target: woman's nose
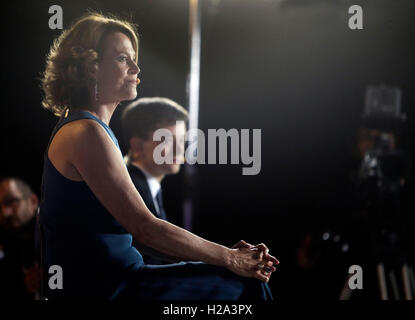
{"points": [[134, 68]]}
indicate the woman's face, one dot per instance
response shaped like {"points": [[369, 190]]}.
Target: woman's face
{"points": [[117, 71]]}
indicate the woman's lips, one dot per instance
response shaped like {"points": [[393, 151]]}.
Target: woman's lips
{"points": [[133, 82]]}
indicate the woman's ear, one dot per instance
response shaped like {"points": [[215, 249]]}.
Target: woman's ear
{"points": [[92, 70]]}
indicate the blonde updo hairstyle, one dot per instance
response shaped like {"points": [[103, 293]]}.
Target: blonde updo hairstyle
{"points": [[66, 80]]}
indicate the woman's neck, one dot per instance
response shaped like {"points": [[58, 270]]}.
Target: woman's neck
{"points": [[102, 111]]}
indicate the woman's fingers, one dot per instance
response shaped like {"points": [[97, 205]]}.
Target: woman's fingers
{"points": [[242, 244], [269, 268], [261, 276], [266, 267], [264, 249], [254, 261], [272, 259], [264, 262]]}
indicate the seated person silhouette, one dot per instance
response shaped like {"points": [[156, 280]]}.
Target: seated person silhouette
{"points": [[19, 241], [140, 120]]}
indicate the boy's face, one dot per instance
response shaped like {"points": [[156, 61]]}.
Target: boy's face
{"points": [[173, 146]]}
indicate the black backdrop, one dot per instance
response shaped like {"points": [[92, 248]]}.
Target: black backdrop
{"points": [[290, 68]]}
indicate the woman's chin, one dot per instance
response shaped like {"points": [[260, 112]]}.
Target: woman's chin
{"points": [[130, 96]]}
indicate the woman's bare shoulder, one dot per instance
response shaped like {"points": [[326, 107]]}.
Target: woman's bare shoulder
{"points": [[80, 129], [77, 133], [75, 139]]}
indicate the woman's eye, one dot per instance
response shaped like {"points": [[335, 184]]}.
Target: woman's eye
{"points": [[122, 58]]}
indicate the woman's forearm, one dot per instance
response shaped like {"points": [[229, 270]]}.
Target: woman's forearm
{"points": [[175, 241], [157, 254]]}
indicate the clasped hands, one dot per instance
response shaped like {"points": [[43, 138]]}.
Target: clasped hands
{"points": [[257, 262]]}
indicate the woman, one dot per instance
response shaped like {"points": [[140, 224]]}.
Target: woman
{"points": [[90, 208]]}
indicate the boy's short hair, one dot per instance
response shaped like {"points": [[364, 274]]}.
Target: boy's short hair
{"points": [[145, 114]]}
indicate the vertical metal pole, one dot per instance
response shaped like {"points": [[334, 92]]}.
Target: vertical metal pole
{"points": [[193, 84], [346, 292], [382, 282], [406, 282]]}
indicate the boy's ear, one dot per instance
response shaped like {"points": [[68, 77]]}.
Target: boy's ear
{"points": [[136, 144]]}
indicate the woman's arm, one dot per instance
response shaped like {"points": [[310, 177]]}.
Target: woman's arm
{"points": [[151, 252], [97, 160]]}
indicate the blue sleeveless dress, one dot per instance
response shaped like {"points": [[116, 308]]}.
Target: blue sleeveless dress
{"points": [[96, 254]]}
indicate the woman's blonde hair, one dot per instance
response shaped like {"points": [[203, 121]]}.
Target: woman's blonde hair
{"points": [[65, 81]]}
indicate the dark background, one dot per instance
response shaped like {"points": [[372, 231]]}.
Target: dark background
{"points": [[290, 68]]}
